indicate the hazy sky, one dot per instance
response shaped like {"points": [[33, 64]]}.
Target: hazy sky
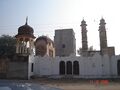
{"points": [[47, 15]]}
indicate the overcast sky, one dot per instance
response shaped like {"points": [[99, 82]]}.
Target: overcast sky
{"points": [[47, 15]]}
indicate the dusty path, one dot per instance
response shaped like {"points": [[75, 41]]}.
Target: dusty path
{"points": [[74, 84]]}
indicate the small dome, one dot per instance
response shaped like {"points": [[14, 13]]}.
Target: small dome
{"points": [[83, 22], [25, 30], [47, 39], [102, 21]]}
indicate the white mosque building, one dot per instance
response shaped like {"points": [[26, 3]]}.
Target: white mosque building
{"points": [[57, 59]]}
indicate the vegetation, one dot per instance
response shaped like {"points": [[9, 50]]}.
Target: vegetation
{"points": [[79, 51], [7, 45]]}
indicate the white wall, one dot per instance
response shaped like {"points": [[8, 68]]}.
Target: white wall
{"points": [[95, 67], [31, 60], [114, 65]]}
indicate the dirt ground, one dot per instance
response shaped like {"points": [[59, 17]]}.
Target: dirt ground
{"points": [[77, 84], [80, 84]]}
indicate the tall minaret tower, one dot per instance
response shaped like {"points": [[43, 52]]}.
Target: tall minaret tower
{"points": [[84, 36], [102, 35]]}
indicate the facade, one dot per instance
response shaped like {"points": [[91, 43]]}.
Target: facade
{"points": [[60, 60], [96, 66], [65, 42], [91, 64]]}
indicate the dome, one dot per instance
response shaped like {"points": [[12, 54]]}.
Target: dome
{"points": [[83, 22], [25, 30], [47, 39], [44, 46], [102, 21]]}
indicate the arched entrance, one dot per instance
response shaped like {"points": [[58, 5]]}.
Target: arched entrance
{"points": [[69, 67], [118, 67], [62, 68], [76, 68]]}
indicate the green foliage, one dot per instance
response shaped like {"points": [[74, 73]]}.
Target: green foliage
{"points": [[79, 51], [7, 45]]}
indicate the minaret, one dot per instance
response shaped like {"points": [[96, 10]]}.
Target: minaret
{"points": [[102, 35], [84, 36], [26, 20]]}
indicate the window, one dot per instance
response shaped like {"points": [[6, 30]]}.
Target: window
{"points": [[63, 45], [62, 68], [76, 68], [32, 67], [69, 67]]}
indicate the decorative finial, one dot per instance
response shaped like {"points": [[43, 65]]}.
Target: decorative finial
{"points": [[101, 16], [26, 20], [83, 21], [83, 18]]}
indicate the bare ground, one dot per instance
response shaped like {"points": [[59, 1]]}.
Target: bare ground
{"points": [[80, 84], [77, 84]]}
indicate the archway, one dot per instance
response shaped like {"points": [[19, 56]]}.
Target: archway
{"points": [[118, 67], [62, 68], [76, 68], [69, 67]]}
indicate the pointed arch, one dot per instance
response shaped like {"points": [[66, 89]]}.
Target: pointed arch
{"points": [[118, 67], [69, 67], [62, 68], [76, 68]]}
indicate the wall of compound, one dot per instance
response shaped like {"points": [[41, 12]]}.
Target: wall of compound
{"points": [[89, 67], [30, 66]]}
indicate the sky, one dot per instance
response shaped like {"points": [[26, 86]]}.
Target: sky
{"points": [[45, 16]]}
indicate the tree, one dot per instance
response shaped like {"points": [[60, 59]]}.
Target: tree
{"points": [[7, 45], [79, 51]]}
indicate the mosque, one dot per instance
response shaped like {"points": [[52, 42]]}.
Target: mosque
{"points": [[44, 57]]}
